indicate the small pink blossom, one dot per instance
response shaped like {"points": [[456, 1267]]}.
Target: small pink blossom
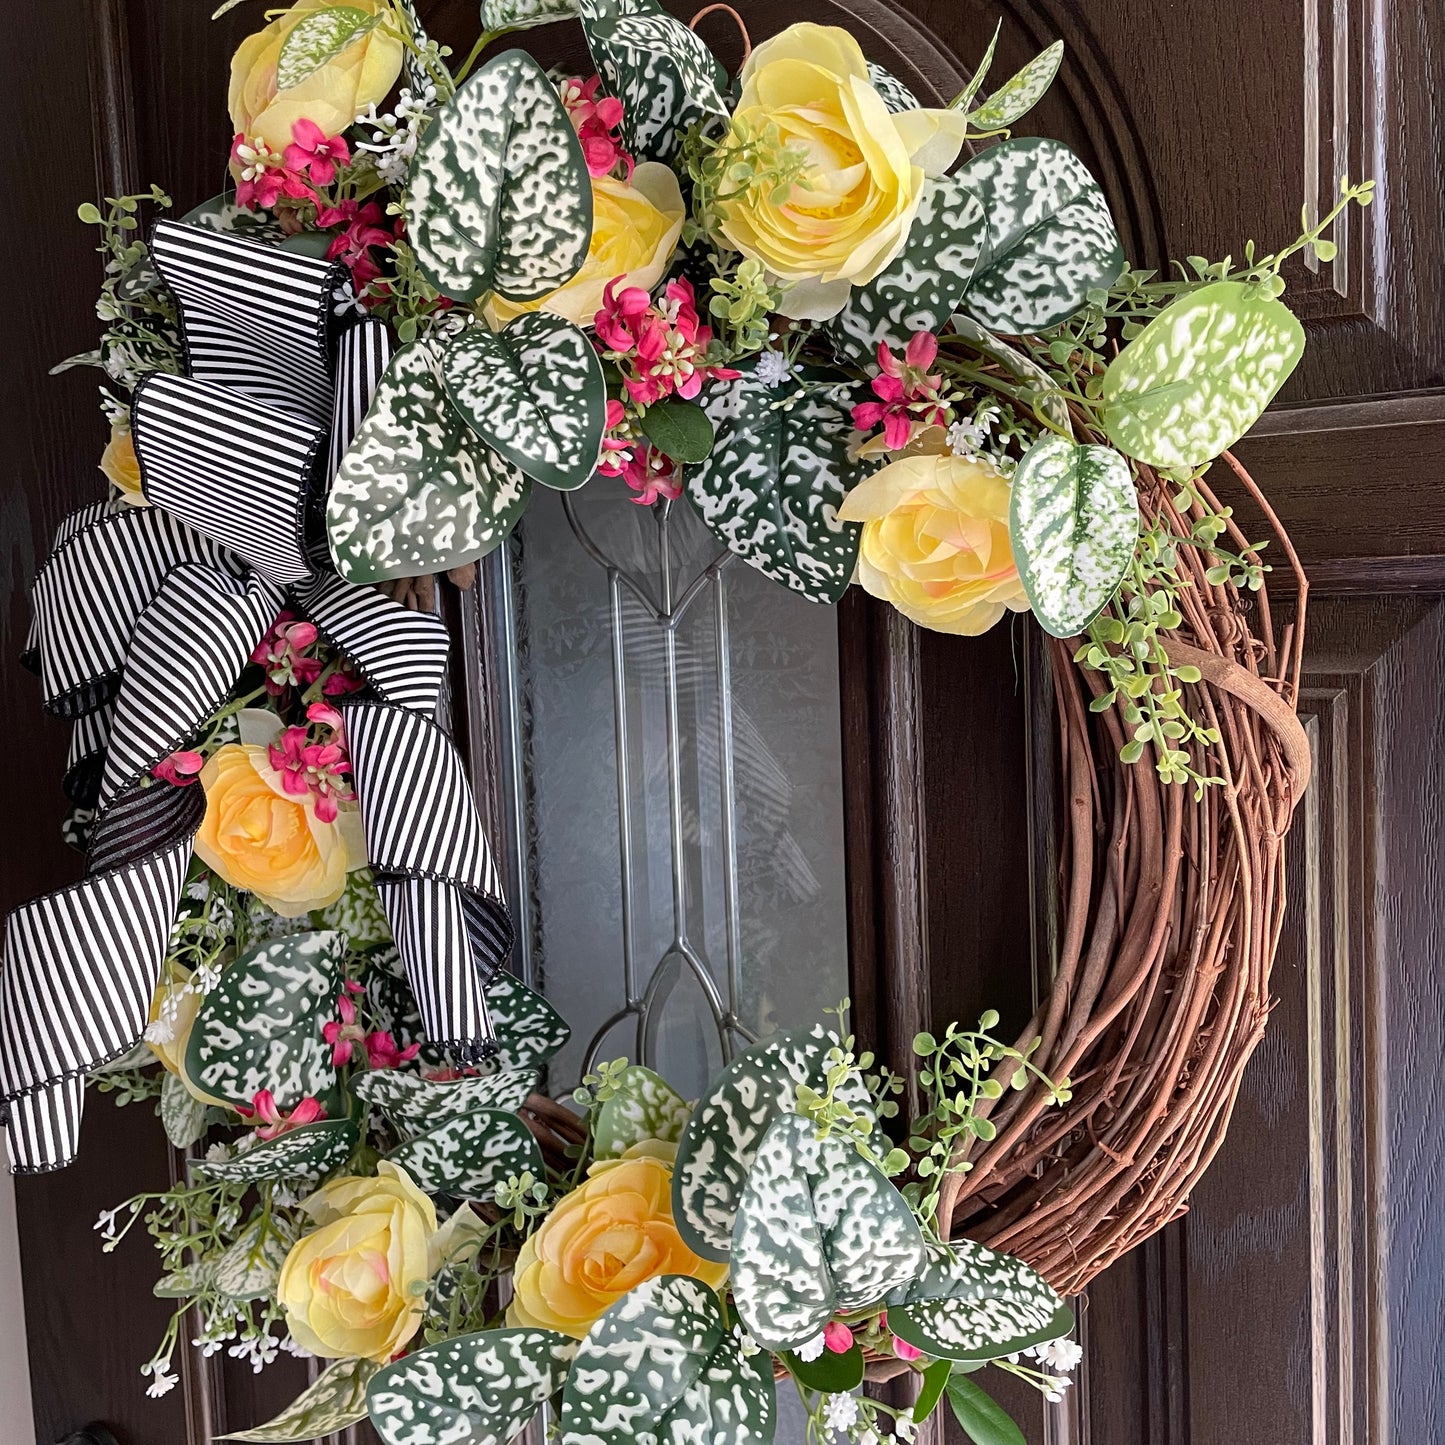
{"points": [[179, 769], [647, 471], [263, 178], [282, 652], [325, 714], [596, 122], [315, 154], [382, 1051], [907, 392], [837, 1337], [318, 768], [273, 1122], [361, 232], [343, 1034], [905, 1351]]}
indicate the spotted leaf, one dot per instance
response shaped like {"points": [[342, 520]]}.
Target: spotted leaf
{"points": [[334, 1400], [478, 1389], [643, 1106], [528, 1029], [1073, 525], [819, 1231], [923, 284], [498, 196], [771, 488], [418, 491], [534, 393], [523, 14], [183, 1116], [971, 1304], [1050, 238], [416, 1104], [321, 36], [468, 1155], [249, 1266], [309, 1152], [1199, 374], [661, 1367], [662, 72], [896, 96], [260, 1027], [1019, 93], [716, 1153], [1036, 387]]}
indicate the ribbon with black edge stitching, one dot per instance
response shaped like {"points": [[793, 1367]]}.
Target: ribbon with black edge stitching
{"points": [[144, 618]]}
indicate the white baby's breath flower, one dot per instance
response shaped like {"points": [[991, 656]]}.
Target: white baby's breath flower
{"points": [[218, 1153], [840, 1412], [163, 1381], [811, 1351], [772, 368], [905, 1427], [1059, 1354]]}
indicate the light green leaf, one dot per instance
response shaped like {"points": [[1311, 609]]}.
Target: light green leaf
{"points": [[1073, 526], [529, 1030], [260, 1027], [534, 393], [819, 1232], [249, 1266], [498, 197], [1047, 400], [922, 284], [321, 36], [334, 1400], [661, 1367], [971, 1303], [1199, 374], [523, 14], [771, 488], [644, 1106], [418, 491], [1050, 238], [186, 1282], [306, 1152], [679, 428], [183, 1116], [982, 1418], [965, 99], [417, 1104], [1019, 93], [469, 1155], [478, 1389], [662, 72], [715, 1156]]}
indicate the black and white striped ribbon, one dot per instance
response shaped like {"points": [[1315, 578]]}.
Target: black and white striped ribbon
{"points": [[143, 620]]}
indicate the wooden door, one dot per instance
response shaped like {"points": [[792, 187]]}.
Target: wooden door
{"points": [[1300, 1302]]}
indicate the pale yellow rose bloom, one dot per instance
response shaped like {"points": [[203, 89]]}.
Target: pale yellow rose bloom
{"points": [[607, 1236], [634, 233], [259, 837], [332, 96], [122, 467], [851, 212], [935, 542], [180, 1005], [355, 1287]]}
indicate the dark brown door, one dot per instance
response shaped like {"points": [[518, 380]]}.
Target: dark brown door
{"points": [[1300, 1302]]}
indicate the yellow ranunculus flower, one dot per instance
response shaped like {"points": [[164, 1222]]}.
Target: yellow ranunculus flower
{"points": [[935, 542], [173, 1012], [332, 96], [355, 1287], [851, 213], [607, 1236], [634, 233], [259, 837], [122, 467]]}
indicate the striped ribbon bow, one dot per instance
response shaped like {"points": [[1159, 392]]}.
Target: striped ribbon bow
{"points": [[144, 618]]}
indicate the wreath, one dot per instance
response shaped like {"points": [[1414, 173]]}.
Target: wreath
{"points": [[868, 342]]}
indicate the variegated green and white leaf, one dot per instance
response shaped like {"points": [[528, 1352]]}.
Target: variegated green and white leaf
{"points": [[528, 1029], [183, 1116], [249, 1266], [186, 1282], [222, 215], [922, 285], [964, 99], [535, 393], [661, 1367], [478, 1389], [644, 1106], [715, 1155], [357, 913], [1073, 526], [418, 491], [778, 471], [260, 1027], [971, 1304], [1038, 388], [1199, 374], [896, 96], [498, 197], [469, 1155], [662, 72], [307, 1152], [1019, 93], [418, 1104], [523, 14], [820, 1231], [321, 36], [1050, 238], [334, 1400]]}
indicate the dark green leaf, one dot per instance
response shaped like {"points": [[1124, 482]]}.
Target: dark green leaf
{"points": [[935, 1382], [469, 1155], [983, 1419], [309, 1151], [679, 428], [830, 1373]]}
